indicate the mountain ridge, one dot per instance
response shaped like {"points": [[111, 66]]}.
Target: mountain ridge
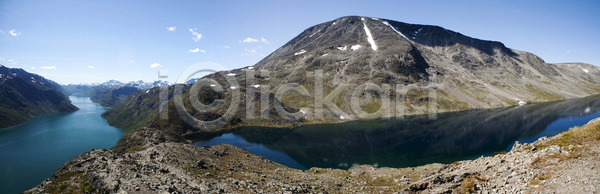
{"points": [[429, 71], [24, 95], [112, 92]]}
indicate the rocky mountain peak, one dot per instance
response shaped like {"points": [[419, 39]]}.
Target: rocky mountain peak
{"points": [[364, 44], [423, 68]]}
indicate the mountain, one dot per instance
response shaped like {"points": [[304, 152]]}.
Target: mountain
{"points": [[24, 95], [111, 92], [463, 72], [192, 81], [141, 85], [77, 89], [110, 97], [85, 89], [427, 69]]}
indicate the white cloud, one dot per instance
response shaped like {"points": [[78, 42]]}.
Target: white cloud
{"points": [[196, 50], [10, 61], [263, 40], [197, 36], [249, 52], [568, 51], [14, 33], [155, 65], [90, 67], [249, 40], [172, 28], [255, 40], [226, 46], [32, 67], [48, 67]]}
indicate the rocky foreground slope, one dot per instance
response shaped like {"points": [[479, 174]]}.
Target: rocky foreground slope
{"points": [[565, 163]]}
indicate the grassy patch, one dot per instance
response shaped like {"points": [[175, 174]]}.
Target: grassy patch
{"points": [[538, 178], [382, 181], [543, 94], [371, 106], [448, 102], [578, 135], [498, 153], [576, 140], [541, 147], [70, 182], [467, 186], [133, 149]]}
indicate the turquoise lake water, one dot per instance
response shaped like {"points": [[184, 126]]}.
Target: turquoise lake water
{"points": [[31, 151]]}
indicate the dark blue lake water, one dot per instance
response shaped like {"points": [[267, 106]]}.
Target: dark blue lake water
{"points": [[412, 140], [31, 151]]}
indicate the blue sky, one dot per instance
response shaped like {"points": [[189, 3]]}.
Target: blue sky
{"points": [[75, 41]]}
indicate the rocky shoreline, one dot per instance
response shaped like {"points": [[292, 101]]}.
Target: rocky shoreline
{"points": [[563, 163]]}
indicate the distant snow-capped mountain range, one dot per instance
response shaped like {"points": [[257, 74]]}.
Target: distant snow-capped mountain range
{"points": [[141, 85]]}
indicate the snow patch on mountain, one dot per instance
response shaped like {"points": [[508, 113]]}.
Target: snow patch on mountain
{"points": [[585, 70], [141, 85], [416, 33], [394, 28], [300, 52], [370, 37]]}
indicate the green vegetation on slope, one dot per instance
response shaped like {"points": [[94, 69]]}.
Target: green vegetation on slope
{"points": [[24, 95], [111, 97]]}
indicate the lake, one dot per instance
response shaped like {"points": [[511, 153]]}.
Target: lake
{"points": [[31, 151], [411, 140]]}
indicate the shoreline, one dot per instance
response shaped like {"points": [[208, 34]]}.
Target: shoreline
{"points": [[229, 129], [186, 168]]}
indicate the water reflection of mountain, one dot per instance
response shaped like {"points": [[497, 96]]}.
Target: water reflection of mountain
{"points": [[416, 140]]}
